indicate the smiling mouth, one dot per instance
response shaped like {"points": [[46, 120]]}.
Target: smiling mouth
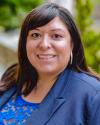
{"points": [[46, 56]]}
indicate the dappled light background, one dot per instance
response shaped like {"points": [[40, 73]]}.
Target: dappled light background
{"points": [[87, 17]]}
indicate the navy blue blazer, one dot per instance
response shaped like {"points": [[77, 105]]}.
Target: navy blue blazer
{"points": [[73, 100]]}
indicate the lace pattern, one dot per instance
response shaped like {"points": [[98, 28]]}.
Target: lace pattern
{"points": [[16, 112]]}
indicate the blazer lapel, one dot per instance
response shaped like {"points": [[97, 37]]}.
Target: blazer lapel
{"points": [[51, 103], [57, 103], [45, 112]]}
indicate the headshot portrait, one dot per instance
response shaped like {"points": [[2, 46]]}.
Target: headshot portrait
{"points": [[51, 84]]}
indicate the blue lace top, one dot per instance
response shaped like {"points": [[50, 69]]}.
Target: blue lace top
{"points": [[16, 112]]}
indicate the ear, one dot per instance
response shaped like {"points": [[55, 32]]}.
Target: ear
{"points": [[72, 45]]}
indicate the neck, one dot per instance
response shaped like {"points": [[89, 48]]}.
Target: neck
{"points": [[46, 80], [40, 91]]}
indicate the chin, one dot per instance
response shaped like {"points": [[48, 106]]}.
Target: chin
{"points": [[50, 72]]}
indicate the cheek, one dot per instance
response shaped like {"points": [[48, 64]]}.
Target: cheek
{"points": [[30, 46], [29, 49], [65, 48], [64, 52]]}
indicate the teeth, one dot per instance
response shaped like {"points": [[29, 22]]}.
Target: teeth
{"points": [[45, 56]]}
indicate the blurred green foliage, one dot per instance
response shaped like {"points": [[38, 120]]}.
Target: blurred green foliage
{"points": [[90, 37], [12, 12], [98, 1]]}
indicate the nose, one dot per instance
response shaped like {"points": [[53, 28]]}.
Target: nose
{"points": [[45, 43]]}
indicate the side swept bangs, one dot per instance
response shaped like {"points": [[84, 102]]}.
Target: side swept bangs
{"points": [[41, 16]]}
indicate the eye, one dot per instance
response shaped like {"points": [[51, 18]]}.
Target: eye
{"points": [[57, 36], [35, 35]]}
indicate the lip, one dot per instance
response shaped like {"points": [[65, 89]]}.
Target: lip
{"points": [[45, 56]]}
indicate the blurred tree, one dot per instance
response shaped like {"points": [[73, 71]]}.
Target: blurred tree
{"points": [[98, 0], [90, 37], [12, 12]]}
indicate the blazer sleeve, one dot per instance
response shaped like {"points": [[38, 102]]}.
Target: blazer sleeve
{"points": [[95, 110]]}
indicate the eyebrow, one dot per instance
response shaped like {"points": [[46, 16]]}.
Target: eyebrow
{"points": [[52, 29]]}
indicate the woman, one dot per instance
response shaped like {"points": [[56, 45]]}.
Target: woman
{"points": [[51, 84]]}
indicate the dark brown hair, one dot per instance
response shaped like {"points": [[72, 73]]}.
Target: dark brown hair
{"points": [[23, 73]]}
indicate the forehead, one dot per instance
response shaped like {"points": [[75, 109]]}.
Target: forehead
{"points": [[54, 24]]}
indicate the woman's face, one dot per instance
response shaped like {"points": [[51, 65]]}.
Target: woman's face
{"points": [[49, 47]]}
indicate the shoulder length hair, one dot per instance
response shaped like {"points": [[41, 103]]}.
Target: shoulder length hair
{"points": [[23, 74]]}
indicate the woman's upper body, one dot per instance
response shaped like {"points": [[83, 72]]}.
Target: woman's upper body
{"points": [[51, 71], [74, 100]]}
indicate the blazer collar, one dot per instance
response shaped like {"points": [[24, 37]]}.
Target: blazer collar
{"points": [[51, 102]]}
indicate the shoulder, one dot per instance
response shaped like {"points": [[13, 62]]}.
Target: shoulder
{"points": [[7, 95], [82, 91], [88, 92], [83, 87], [86, 81]]}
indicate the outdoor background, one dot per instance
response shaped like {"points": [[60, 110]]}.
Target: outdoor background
{"points": [[85, 12]]}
